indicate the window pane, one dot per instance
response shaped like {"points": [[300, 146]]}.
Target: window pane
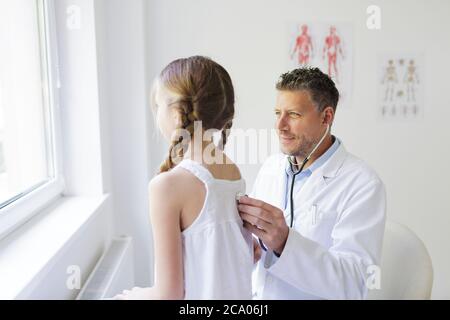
{"points": [[25, 160]]}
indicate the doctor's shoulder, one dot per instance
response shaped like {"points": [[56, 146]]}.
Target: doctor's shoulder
{"points": [[360, 171], [361, 191]]}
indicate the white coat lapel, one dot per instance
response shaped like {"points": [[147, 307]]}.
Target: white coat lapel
{"points": [[319, 179]]}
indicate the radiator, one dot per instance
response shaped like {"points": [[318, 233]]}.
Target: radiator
{"points": [[113, 273]]}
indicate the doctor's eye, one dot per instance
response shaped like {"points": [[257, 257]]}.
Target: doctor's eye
{"points": [[277, 113], [294, 115]]}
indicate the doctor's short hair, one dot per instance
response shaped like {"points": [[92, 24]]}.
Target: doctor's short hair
{"points": [[322, 89]]}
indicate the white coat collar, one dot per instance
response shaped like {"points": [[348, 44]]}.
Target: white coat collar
{"points": [[331, 168]]}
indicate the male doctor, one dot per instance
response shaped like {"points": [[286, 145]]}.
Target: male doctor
{"points": [[331, 244]]}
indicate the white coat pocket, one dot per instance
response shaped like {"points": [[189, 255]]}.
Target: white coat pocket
{"points": [[317, 224]]}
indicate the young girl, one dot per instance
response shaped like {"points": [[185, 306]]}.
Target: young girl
{"points": [[202, 250]]}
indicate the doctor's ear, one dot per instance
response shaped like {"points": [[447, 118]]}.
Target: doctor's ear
{"points": [[328, 115]]}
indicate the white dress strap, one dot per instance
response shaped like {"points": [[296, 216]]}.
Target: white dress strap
{"points": [[197, 170]]}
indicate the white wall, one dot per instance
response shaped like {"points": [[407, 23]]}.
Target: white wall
{"points": [[249, 38]]}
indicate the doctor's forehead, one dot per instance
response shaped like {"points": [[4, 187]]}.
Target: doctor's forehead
{"points": [[294, 99]]}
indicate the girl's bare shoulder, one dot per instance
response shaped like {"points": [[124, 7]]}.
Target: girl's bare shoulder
{"points": [[174, 184]]}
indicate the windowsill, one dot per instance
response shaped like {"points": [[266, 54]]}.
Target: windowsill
{"points": [[30, 251]]}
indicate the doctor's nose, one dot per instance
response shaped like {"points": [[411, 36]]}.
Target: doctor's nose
{"points": [[282, 123]]}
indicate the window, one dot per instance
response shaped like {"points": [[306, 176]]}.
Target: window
{"points": [[29, 159]]}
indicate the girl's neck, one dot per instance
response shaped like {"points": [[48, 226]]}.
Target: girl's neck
{"points": [[204, 152]]}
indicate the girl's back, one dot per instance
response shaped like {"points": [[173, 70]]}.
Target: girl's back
{"points": [[217, 250]]}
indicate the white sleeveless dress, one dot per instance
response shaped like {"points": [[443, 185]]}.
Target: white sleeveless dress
{"points": [[217, 250]]}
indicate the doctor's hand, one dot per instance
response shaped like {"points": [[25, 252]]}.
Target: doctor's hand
{"points": [[265, 221]]}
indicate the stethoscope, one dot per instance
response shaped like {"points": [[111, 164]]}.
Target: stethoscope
{"points": [[293, 163]]}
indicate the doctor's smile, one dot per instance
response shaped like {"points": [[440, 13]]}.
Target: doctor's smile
{"points": [[287, 140]]}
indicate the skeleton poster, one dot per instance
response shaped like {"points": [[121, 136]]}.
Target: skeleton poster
{"points": [[328, 46], [400, 86]]}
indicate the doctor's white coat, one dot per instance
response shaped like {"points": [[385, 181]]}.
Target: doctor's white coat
{"points": [[336, 239]]}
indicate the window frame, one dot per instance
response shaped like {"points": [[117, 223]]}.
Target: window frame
{"points": [[26, 204]]}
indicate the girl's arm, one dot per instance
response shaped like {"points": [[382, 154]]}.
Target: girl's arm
{"points": [[165, 208]]}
